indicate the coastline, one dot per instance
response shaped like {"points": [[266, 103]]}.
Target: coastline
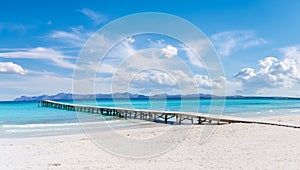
{"points": [[231, 146]]}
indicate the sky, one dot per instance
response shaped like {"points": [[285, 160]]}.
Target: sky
{"points": [[257, 43]]}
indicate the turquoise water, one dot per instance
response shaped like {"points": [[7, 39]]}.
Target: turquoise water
{"points": [[234, 107], [23, 118]]}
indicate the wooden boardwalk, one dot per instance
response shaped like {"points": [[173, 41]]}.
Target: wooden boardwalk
{"points": [[158, 116]]}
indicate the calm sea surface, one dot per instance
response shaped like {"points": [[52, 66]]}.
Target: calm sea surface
{"points": [[18, 119]]}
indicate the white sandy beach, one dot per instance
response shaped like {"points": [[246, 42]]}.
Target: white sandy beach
{"points": [[231, 146]]}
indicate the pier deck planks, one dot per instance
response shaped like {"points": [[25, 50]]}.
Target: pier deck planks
{"points": [[163, 116]]}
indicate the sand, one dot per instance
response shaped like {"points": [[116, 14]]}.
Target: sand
{"points": [[230, 146]]}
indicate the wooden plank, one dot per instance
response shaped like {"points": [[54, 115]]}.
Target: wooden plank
{"points": [[145, 114]]}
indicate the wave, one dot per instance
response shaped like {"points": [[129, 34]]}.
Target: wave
{"points": [[35, 130], [40, 125], [43, 125]]}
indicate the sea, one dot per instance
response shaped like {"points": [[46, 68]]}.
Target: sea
{"points": [[27, 119]]}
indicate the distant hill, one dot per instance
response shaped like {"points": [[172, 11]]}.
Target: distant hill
{"points": [[126, 95], [59, 96], [70, 96]]}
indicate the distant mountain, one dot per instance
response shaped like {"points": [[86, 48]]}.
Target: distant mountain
{"points": [[69, 96], [59, 96], [126, 95]]}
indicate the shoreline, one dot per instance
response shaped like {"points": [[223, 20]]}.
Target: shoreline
{"points": [[121, 124], [230, 146]]}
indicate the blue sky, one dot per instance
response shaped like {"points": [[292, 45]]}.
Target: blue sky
{"points": [[257, 41]]}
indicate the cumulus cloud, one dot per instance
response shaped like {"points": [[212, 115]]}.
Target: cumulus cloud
{"points": [[52, 55], [95, 16], [155, 78], [176, 75], [170, 51], [203, 81], [273, 73], [174, 78], [229, 41], [245, 74], [10, 67]]}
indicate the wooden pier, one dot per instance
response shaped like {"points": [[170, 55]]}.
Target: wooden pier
{"points": [[158, 116]]}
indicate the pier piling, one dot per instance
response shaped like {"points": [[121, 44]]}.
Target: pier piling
{"points": [[156, 116]]}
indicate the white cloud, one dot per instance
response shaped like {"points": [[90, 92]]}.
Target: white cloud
{"points": [[11, 27], [126, 67], [77, 36], [95, 16], [130, 40], [170, 51], [154, 78], [200, 52], [35, 85], [274, 76], [106, 68], [14, 49], [175, 75], [90, 59], [63, 34], [229, 41], [291, 51], [245, 74], [10, 67], [193, 58], [204, 82], [151, 80], [56, 57], [178, 80], [273, 73], [122, 50], [190, 50], [266, 64], [156, 43]]}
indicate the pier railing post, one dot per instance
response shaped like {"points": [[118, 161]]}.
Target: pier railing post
{"points": [[153, 115], [166, 118]]}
